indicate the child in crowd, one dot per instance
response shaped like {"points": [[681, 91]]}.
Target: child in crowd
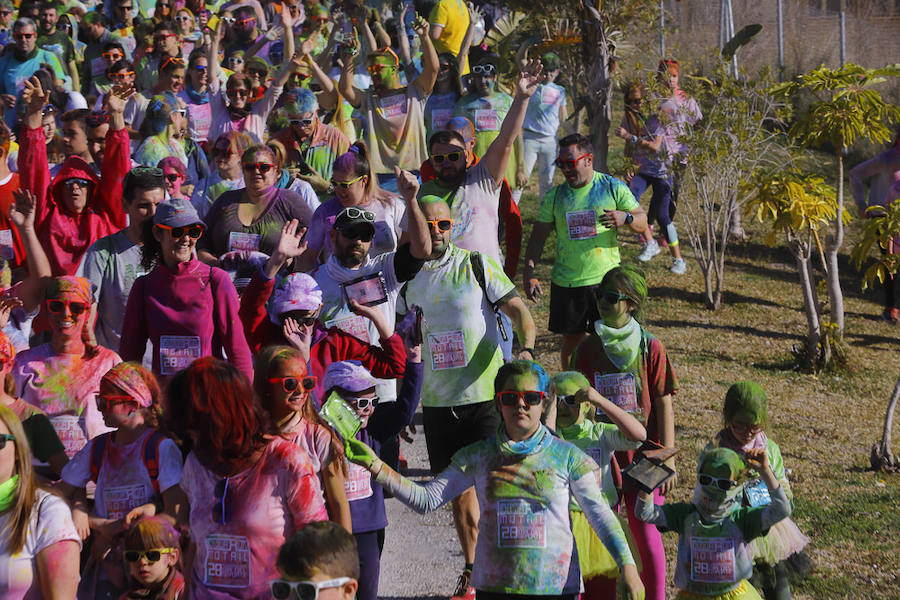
{"points": [[714, 531], [153, 556], [320, 556], [284, 385], [575, 400], [779, 552]]}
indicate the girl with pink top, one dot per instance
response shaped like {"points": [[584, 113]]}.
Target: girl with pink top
{"points": [[284, 385], [249, 489], [62, 376]]}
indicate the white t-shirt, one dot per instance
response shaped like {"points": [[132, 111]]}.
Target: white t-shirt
{"points": [[123, 482], [50, 522]]}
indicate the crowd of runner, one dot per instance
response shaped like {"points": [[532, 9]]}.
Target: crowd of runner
{"points": [[229, 231]]}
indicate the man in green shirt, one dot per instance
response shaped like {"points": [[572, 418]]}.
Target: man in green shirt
{"points": [[586, 212], [58, 42]]}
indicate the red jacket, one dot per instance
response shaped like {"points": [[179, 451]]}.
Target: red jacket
{"points": [[509, 214], [328, 345], [66, 236]]}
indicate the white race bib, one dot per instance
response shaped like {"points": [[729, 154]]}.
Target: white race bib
{"points": [[712, 560], [243, 242], [582, 224], [448, 350], [549, 95], [618, 388], [6, 245], [68, 428], [521, 524], [358, 484], [487, 119], [393, 106], [119, 500], [355, 325], [227, 561], [440, 117], [177, 352]]}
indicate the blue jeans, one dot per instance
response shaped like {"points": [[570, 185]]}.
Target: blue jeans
{"points": [[540, 149]]}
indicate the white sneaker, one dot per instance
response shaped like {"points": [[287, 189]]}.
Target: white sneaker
{"points": [[679, 267], [650, 250]]}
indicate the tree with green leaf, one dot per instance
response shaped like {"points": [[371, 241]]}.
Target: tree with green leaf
{"points": [[798, 206], [845, 109]]}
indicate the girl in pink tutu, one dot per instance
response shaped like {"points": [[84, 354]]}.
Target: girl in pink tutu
{"points": [[778, 555]]}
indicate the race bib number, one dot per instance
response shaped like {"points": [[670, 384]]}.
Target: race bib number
{"points": [[448, 350], [521, 524], [582, 224], [6, 245], [239, 241], [487, 119], [549, 95], [358, 484], [757, 493], [393, 106], [177, 352], [227, 561], [119, 500], [68, 428], [355, 325], [618, 388], [440, 117], [712, 560]]}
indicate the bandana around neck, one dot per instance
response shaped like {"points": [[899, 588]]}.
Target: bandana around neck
{"points": [[8, 491], [535, 443], [622, 345]]}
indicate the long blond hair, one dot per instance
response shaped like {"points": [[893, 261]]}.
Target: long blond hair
{"points": [[17, 528]]}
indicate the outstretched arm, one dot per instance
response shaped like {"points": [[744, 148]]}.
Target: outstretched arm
{"points": [[351, 94], [22, 214], [430, 63]]}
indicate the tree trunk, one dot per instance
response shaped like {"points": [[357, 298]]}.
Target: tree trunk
{"points": [[882, 458], [833, 246], [595, 49], [810, 305]]}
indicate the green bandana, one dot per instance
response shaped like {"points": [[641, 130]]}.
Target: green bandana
{"points": [[8, 492], [622, 345]]}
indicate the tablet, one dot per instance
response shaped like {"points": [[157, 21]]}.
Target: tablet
{"points": [[648, 474], [369, 290]]}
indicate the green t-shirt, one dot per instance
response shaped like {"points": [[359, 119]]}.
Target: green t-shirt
{"points": [[59, 44], [585, 249], [486, 114]]}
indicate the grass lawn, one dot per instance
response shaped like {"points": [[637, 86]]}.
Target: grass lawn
{"points": [[824, 425]]}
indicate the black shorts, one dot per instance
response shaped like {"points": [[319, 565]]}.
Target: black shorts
{"points": [[572, 309], [448, 429]]}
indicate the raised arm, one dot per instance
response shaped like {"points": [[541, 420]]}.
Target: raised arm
{"points": [[22, 214], [430, 63], [329, 95], [116, 159], [630, 427], [497, 155], [780, 507], [349, 52], [475, 15], [419, 234], [34, 172], [212, 58]]}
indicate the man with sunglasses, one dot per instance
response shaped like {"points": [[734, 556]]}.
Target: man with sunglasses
{"points": [[586, 212], [462, 351], [58, 42], [76, 208], [166, 44], [94, 30], [112, 263], [20, 64], [394, 114]]}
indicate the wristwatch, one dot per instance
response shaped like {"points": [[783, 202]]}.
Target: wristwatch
{"points": [[629, 218], [634, 139]]}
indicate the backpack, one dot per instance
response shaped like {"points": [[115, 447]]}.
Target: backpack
{"points": [[149, 455]]}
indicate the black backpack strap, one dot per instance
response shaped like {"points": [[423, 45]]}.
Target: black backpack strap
{"points": [[478, 272]]}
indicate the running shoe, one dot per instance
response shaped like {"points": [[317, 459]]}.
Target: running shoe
{"points": [[650, 250], [891, 315], [464, 590], [679, 267]]}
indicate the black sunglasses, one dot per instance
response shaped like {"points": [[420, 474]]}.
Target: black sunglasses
{"points": [[172, 177], [511, 397], [363, 235], [568, 400], [304, 122], [59, 306], [194, 231]]}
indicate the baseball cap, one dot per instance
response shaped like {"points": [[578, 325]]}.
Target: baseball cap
{"points": [[353, 216], [177, 212]]}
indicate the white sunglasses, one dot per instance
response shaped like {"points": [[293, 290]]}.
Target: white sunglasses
{"points": [[304, 590]]}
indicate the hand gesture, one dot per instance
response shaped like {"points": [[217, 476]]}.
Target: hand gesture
{"points": [[349, 50], [7, 305], [118, 97], [287, 19], [34, 96], [622, 133], [139, 512], [296, 338], [357, 452], [275, 32], [533, 288], [420, 26], [21, 213], [308, 45], [612, 218], [404, 8], [8, 100], [529, 79], [757, 459], [291, 243], [407, 184], [475, 12]]}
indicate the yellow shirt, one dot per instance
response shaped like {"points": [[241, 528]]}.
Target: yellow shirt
{"points": [[453, 16]]}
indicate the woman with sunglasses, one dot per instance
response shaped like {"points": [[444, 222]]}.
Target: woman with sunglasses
{"points": [[39, 546], [249, 489], [447, 91], [251, 219], [163, 129], [186, 24], [379, 423], [631, 368], [134, 466], [714, 531], [62, 376], [228, 173], [195, 96], [186, 308], [284, 386], [523, 478]]}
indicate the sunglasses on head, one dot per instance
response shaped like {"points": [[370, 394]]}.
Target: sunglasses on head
{"points": [[120, 76], [609, 296], [569, 163], [292, 384], [722, 484], [6, 437], [345, 185], [511, 397], [361, 403], [483, 69], [441, 224], [259, 167], [219, 513], [152, 556], [59, 306], [303, 122], [303, 590], [104, 403], [450, 156], [173, 177], [193, 231]]}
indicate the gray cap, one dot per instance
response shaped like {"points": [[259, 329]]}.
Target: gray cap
{"points": [[177, 212]]}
